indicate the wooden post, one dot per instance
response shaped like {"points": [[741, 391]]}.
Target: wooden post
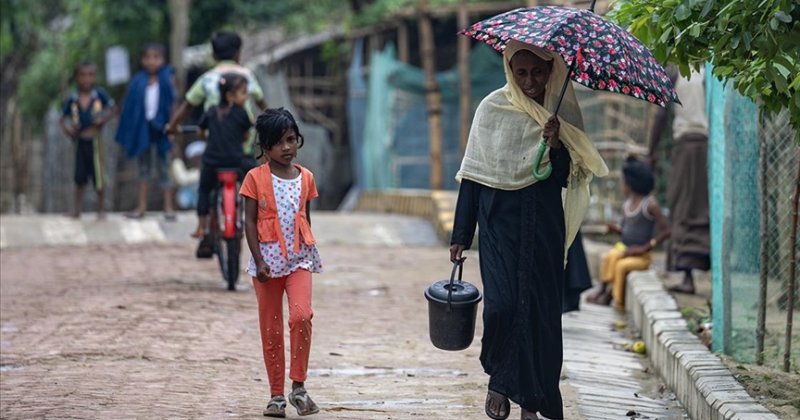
{"points": [[178, 38], [20, 159], [308, 74], [433, 96], [762, 278], [787, 346], [402, 42], [465, 94]]}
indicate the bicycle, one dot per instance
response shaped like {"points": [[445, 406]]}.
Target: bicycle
{"points": [[225, 222]]}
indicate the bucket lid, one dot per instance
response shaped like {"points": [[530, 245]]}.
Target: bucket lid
{"points": [[462, 291]]}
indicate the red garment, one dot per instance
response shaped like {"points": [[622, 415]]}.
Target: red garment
{"points": [[270, 318]]}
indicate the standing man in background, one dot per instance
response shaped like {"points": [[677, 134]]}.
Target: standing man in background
{"points": [[687, 186]]}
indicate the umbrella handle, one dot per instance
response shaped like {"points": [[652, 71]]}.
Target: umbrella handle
{"points": [[541, 176]]}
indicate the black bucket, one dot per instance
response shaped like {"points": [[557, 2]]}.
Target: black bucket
{"points": [[452, 309]]}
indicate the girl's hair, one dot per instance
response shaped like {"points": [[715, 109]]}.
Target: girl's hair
{"points": [[272, 124], [638, 176], [154, 46], [229, 82]]}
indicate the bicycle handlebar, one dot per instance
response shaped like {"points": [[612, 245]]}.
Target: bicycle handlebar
{"points": [[187, 129]]}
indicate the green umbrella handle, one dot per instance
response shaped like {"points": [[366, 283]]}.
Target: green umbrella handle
{"points": [[541, 176]]}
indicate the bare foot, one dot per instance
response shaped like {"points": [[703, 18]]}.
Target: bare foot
{"points": [[595, 294], [603, 298], [199, 233], [528, 415], [135, 215], [682, 288]]}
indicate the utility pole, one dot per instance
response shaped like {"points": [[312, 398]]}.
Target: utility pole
{"points": [[179, 38], [465, 93], [433, 95]]}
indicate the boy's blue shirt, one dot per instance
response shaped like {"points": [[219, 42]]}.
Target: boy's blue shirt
{"points": [[133, 132], [84, 118]]}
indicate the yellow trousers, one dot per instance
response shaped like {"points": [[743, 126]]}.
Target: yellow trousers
{"points": [[615, 269]]}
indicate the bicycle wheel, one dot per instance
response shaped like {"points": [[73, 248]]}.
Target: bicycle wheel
{"points": [[233, 248], [221, 249], [220, 245]]}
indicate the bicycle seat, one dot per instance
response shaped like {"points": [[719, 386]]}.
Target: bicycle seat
{"points": [[228, 174]]}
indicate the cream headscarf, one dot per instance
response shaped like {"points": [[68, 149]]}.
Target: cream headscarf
{"points": [[506, 132]]}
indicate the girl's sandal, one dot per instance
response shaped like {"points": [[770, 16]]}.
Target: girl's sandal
{"points": [[300, 400], [276, 407]]}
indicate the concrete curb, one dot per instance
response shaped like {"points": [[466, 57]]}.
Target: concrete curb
{"points": [[56, 230], [700, 380], [438, 207]]}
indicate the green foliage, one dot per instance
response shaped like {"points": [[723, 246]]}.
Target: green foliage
{"points": [[40, 85], [754, 44], [379, 10], [55, 34], [68, 31], [20, 23]]}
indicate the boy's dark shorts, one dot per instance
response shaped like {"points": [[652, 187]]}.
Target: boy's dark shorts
{"points": [[85, 164]]}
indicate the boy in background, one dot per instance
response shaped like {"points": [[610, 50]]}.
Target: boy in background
{"points": [[85, 112], [145, 113]]}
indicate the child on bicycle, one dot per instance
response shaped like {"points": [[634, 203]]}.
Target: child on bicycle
{"points": [[227, 126], [278, 230]]}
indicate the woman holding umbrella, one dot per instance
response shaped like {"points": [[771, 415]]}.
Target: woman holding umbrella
{"points": [[525, 228]]}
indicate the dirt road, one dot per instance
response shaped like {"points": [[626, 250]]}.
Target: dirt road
{"points": [[147, 331]]}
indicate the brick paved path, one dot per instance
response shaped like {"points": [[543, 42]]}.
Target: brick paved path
{"points": [[146, 331]]}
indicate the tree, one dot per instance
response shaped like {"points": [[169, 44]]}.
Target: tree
{"points": [[754, 44]]}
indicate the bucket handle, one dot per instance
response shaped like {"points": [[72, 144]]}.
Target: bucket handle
{"points": [[459, 263]]}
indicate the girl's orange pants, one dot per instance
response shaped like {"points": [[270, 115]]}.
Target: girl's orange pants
{"points": [[269, 294]]}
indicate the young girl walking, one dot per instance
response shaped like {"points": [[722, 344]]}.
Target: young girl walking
{"points": [[278, 230]]}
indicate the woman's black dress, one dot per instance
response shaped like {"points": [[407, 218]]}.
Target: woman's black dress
{"points": [[522, 267], [576, 276]]}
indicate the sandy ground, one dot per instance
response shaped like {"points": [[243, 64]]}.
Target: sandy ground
{"points": [[147, 331]]}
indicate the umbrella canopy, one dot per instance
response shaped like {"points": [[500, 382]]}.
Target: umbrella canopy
{"points": [[601, 55]]}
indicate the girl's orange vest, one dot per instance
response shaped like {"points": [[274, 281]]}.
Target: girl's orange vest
{"points": [[269, 226]]}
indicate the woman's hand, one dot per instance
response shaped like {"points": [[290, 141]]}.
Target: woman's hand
{"points": [[455, 252], [551, 132], [262, 271]]}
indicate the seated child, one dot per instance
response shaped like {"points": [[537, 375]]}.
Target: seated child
{"points": [[640, 213]]}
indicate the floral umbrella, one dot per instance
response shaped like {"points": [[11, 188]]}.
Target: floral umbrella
{"points": [[607, 56], [600, 54]]}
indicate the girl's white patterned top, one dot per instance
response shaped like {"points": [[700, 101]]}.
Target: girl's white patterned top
{"points": [[287, 198]]}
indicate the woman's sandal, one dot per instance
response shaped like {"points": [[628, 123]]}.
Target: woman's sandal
{"points": [[300, 400], [276, 407], [505, 405]]}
